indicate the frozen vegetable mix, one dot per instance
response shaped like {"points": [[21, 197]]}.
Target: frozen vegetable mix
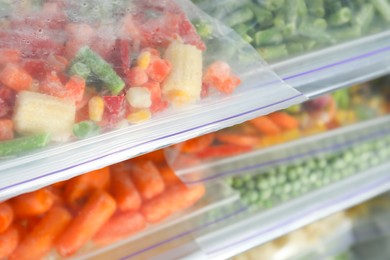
{"points": [[73, 69]]}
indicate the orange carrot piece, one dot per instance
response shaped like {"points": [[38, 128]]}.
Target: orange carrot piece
{"points": [[118, 227], [147, 179], [265, 125], [6, 216], [156, 156], [197, 144], [168, 175], [238, 139], [95, 213], [9, 239], [284, 120], [124, 191], [15, 77], [38, 243], [157, 209], [32, 203], [174, 199], [78, 188]]}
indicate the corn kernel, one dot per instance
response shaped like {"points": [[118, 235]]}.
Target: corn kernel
{"points": [[96, 108], [179, 97], [139, 116], [143, 60]]}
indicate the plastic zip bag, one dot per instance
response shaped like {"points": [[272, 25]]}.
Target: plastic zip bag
{"points": [[283, 28], [268, 140], [62, 30]]}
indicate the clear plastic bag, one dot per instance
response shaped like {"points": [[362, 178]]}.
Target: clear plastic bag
{"points": [[283, 28], [87, 69]]}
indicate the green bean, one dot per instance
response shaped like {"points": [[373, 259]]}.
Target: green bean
{"points": [[86, 129], [383, 7], [264, 17], [302, 8], [316, 8], [342, 16], [241, 15], [273, 52], [80, 69], [345, 33], [23, 144], [101, 69], [364, 17], [272, 5], [269, 36]]}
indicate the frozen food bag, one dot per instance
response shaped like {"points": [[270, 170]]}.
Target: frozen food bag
{"points": [[279, 29], [238, 148], [98, 82]]}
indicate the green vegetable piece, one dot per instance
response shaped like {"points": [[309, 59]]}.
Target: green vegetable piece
{"points": [[279, 21], [204, 29], [341, 17], [80, 69], [264, 17], [242, 15], [271, 5], [345, 33], [302, 8], [237, 182], [273, 52], [86, 129], [315, 29], [308, 44], [270, 36], [23, 144], [316, 8], [364, 17], [383, 7], [294, 48], [101, 69]]}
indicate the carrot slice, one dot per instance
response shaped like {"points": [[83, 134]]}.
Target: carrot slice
{"points": [[124, 191], [77, 189], [95, 213], [284, 120], [38, 243], [169, 176], [265, 125], [197, 144], [9, 239], [6, 216], [118, 227], [238, 139], [33, 203], [147, 179]]}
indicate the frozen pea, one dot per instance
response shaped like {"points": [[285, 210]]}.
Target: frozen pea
{"points": [[237, 182], [250, 185]]}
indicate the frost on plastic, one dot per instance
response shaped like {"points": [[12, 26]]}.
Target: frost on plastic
{"points": [[279, 29], [128, 76]]}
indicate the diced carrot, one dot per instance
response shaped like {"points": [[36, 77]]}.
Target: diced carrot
{"points": [[33, 203], [78, 188], [219, 75], [60, 184], [158, 69], [222, 150], [6, 216], [9, 56], [147, 179], [155, 90], [284, 120], [6, 129], [238, 139], [137, 76], [197, 144], [95, 213], [9, 239], [15, 77], [265, 125], [38, 243], [58, 195], [75, 88], [124, 191], [169, 176], [118, 227], [52, 85]]}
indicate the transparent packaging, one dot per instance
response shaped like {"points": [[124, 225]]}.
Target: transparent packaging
{"points": [[90, 78], [281, 29]]}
